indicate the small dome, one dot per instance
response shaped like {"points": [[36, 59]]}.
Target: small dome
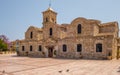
{"points": [[50, 9]]}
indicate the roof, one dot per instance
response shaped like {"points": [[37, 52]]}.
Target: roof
{"points": [[50, 9], [36, 28]]}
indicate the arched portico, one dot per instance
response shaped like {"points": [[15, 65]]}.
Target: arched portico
{"points": [[50, 45]]}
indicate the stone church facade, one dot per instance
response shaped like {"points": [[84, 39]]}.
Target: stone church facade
{"points": [[82, 38]]}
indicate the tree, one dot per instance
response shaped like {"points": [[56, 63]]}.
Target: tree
{"points": [[3, 45], [4, 38]]}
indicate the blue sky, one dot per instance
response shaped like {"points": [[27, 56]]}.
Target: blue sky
{"points": [[17, 15]]}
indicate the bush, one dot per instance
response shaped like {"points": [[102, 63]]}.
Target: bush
{"points": [[55, 52], [3, 46]]}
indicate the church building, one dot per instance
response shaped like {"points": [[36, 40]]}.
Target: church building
{"points": [[82, 38]]}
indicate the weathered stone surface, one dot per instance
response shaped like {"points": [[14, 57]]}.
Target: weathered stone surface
{"points": [[92, 32]]}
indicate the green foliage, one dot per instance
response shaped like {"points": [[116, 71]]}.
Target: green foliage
{"points": [[3, 45], [55, 52]]}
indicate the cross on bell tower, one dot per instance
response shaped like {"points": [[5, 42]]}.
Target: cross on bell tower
{"points": [[50, 3]]}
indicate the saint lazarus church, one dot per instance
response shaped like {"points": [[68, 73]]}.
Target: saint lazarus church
{"points": [[82, 38]]}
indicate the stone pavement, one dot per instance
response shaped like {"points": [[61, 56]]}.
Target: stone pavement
{"points": [[13, 65]]}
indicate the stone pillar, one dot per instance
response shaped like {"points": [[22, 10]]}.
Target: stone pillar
{"points": [[118, 52]]}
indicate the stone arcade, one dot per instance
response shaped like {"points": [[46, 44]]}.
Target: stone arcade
{"points": [[82, 38]]}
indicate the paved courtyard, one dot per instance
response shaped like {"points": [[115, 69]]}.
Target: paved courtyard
{"points": [[13, 65]]}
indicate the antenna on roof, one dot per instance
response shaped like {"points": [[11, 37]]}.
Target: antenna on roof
{"points": [[49, 3]]}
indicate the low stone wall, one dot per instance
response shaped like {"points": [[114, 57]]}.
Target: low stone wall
{"points": [[8, 52]]}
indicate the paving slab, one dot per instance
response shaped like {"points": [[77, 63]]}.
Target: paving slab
{"points": [[14, 65]]}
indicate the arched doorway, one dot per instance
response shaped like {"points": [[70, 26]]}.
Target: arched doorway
{"points": [[50, 46], [50, 52]]}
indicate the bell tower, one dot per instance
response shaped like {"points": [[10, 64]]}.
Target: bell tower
{"points": [[49, 23], [49, 16]]}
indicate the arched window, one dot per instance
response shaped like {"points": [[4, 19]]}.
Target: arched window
{"points": [[23, 48], [50, 31], [64, 48], [40, 48], [99, 47], [31, 35], [31, 48], [79, 47], [52, 20], [46, 19], [79, 29]]}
